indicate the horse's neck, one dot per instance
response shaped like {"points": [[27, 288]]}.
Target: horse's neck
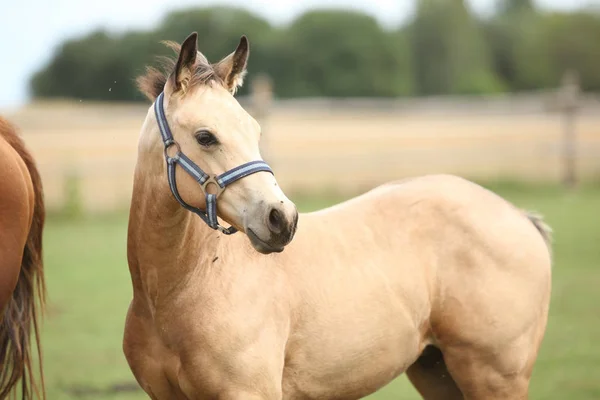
{"points": [[165, 241]]}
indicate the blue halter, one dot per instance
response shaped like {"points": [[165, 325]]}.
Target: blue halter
{"points": [[220, 182]]}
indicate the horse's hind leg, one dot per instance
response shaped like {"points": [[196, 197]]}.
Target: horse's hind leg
{"points": [[496, 372], [481, 377], [431, 378]]}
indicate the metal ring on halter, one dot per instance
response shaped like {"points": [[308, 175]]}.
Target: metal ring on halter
{"points": [[219, 189], [168, 146]]}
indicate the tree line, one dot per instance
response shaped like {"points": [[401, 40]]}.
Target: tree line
{"points": [[443, 49]]}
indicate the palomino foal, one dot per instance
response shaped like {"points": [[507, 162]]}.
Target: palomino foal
{"points": [[433, 276]]}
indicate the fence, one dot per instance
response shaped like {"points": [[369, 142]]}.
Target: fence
{"points": [[344, 145]]}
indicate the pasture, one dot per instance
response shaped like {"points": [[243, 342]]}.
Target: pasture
{"points": [[89, 292]]}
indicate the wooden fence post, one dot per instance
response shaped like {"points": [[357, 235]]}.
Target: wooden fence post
{"points": [[262, 98], [569, 103]]}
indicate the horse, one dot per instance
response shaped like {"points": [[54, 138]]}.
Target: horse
{"points": [[433, 276], [22, 282]]}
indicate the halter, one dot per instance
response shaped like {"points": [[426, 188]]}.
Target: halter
{"points": [[220, 182]]}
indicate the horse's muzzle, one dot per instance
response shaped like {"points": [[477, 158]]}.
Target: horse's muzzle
{"points": [[281, 227]]}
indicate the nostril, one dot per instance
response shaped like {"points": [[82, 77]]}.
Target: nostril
{"points": [[276, 221]]}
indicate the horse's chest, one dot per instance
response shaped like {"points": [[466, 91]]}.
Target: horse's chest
{"points": [[217, 341]]}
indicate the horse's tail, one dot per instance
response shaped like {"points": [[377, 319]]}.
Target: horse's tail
{"points": [[20, 320], [542, 227]]}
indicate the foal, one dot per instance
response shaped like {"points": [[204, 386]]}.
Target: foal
{"points": [[433, 276]]}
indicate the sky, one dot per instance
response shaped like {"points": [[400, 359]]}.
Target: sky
{"points": [[31, 30]]}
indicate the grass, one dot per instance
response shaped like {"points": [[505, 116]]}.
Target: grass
{"points": [[89, 292]]}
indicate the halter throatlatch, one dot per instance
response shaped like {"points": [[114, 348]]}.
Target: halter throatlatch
{"points": [[219, 182]]}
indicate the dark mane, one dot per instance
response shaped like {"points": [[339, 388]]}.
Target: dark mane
{"points": [[152, 83]]}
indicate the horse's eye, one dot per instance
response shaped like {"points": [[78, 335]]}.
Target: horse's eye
{"points": [[206, 139]]}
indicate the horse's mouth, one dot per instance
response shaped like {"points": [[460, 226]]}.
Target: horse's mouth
{"points": [[260, 245]]}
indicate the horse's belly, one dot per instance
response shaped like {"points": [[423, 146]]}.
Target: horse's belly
{"points": [[351, 364]]}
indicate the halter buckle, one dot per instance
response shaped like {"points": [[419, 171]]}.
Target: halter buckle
{"points": [[212, 181]]}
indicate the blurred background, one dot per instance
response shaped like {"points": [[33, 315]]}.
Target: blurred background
{"points": [[350, 94]]}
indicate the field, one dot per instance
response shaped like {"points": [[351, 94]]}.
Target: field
{"points": [[89, 289]]}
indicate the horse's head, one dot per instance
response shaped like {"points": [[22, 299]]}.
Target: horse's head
{"points": [[210, 128]]}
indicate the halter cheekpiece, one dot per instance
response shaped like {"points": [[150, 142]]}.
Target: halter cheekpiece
{"points": [[220, 182]]}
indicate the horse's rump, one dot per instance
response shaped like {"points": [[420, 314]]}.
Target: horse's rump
{"points": [[20, 318]]}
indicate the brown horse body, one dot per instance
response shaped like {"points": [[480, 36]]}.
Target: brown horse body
{"points": [[22, 285], [434, 276]]}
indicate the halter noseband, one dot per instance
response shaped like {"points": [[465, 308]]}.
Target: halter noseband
{"points": [[220, 182]]}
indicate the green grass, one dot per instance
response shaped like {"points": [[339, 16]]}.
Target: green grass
{"points": [[89, 292]]}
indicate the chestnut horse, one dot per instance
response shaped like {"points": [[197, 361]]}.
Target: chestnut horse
{"points": [[433, 276], [22, 287]]}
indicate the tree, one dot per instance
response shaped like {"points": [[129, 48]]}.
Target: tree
{"points": [[340, 53], [448, 51], [557, 43], [516, 22], [511, 7], [86, 69], [572, 42], [103, 67], [219, 31]]}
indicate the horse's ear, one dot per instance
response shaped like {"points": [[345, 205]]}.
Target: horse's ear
{"points": [[232, 68], [184, 69]]}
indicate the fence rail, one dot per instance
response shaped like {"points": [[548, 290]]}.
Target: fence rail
{"points": [[341, 144]]}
